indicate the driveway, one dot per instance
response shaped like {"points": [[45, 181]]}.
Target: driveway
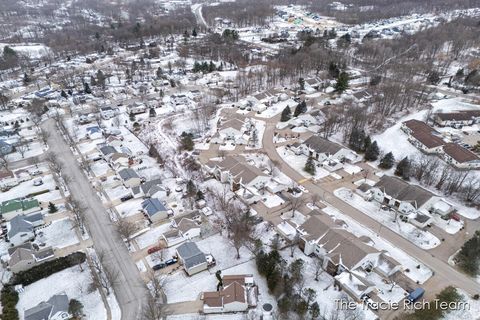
{"points": [[130, 290]]}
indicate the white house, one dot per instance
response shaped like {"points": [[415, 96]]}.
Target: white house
{"points": [[129, 177], [329, 154], [22, 228], [232, 129], [192, 259], [460, 157], [107, 113]]}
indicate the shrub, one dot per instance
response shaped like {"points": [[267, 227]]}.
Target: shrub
{"points": [[9, 299]]}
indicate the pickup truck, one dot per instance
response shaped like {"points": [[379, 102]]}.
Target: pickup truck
{"points": [[415, 295]]}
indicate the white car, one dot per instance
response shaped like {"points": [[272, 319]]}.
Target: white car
{"points": [[207, 211], [304, 190], [37, 182]]}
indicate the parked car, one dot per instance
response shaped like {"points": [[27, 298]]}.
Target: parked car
{"points": [[126, 198], [415, 295], [37, 182], [35, 172], [171, 261], [154, 249], [159, 266]]}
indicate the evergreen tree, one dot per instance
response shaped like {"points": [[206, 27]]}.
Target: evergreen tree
{"points": [[387, 161], [367, 142], [333, 69], [132, 116], [403, 168], [100, 78], [211, 67], [300, 108], [194, 33], [310, 166], [286, 114], [357, 140], [86, 88], [186, 141], [152, 113], [64, 94], [301, 83], [372, 152], [52, 208], [315, 310], [75, 308], [26, 79], [159, 73], [342, 82]]}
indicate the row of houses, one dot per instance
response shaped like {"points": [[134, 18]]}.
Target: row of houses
{"points": [[430, 141], [457, 119]]}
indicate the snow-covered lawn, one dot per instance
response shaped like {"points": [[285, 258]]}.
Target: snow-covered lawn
{"points": [[470, 312], [417, 236], [129, 207], [260, 127], [59, 234], [297, 162], [34, 149], [152, 236], [49, 196], [420, 274], [396, 141], [27, 187], [272, 200], [72, 281]]}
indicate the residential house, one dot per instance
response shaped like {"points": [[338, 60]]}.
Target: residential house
{"points": [[11, 208], [119, 159], [192, 259], [422, 136], [55, 308], [107, 150], [130, 178], [407, 198], [460, 157], [179, 99], [114, 141], [188, 226], [94, 132], [457, 119], [136, 108], [249, 181], [22, 228], [107, 113], [5, 148], [7, 179], [330, 154], [237, 294], [154, 210], [151, 189], [26, 256], [232, 129]]}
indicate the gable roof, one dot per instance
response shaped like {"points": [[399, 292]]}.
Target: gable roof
{"points": [[18, 204], [321, 145], [19, 225], [234, 124], [459, 153], [152, 206], [106, 150], [127, 174], [232, 292], [191, 255], [403, 191], [45, 310]]}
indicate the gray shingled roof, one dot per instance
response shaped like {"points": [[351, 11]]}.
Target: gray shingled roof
{"points": [[18, 225], [403, 191], [153, 206], [191, 255], [321, 145], [44, 310], [106, 150], [127, 174]]}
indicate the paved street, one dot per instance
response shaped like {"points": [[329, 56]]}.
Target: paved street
{"points": [[444, 274], [130, 290]]}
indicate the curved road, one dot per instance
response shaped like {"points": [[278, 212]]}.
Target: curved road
{"points": [[130, 290], [444, 274]]}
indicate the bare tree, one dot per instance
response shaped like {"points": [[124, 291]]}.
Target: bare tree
{"points": [[318, 267], [53, 162], [295, 203], [3, 161], [293, 243], [44, 135], [106, 274], [239, 226], [315, 199], [22, 147], [78, 211], [273, 167], [155, 285], [116, 121], [126, 229], [153, 309]]}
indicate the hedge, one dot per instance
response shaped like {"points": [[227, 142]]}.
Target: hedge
{"points": [[31, 195], [9, 299], [48, 268]]}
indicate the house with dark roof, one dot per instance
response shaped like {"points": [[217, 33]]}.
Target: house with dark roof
{"points": [[5, 148], [152, 189], [154, 210], [330, 154], [129, 177], [192, 259], [237, 294], [106, 150], [188, 226], [457, 119], [422, 136], [7, 178], [22, 228], [407, 198], [460, 157], [26, 256], [55, 308]]}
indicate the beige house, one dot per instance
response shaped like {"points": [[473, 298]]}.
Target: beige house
{"points": [[130, 178], [25, 257]]}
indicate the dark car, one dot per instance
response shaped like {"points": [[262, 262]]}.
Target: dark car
{"points": [[159, 266], [126, 198], [171, 261]]}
